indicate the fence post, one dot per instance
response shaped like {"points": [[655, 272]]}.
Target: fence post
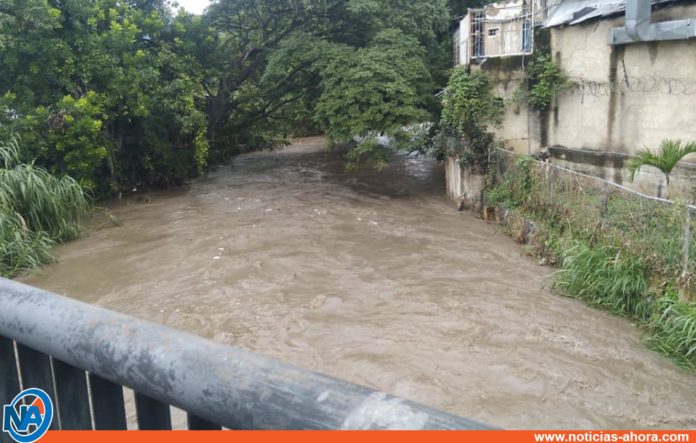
{"points": [[604, 205], [687, 242]]}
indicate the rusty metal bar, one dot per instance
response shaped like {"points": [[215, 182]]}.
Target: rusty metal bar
{"points": [[72, 397], [108, 406], [220, 384], [152, 414]]}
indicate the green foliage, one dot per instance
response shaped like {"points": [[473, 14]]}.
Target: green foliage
{"points": [[546, 79], [106, 91], [514, 190], [68, 137], [368, 151], [342, 67], [426, 138], [673, 330], [378, 88], [125, 94], [469, 106], [37, 209], [21, 248], [605, 277], [671, 152]]}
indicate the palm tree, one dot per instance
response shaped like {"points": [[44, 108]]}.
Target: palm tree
{"points": [[671, 153]]}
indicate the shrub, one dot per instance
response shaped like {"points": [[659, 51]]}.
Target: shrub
{"points": [[469, 106], [37, 210], [546, 78]]}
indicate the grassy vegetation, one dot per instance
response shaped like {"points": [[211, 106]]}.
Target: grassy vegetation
{"points": [[616, 250], [37, 210]]}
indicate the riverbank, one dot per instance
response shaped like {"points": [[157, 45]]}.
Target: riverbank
{"points": [[616, 249], [370, 276]]}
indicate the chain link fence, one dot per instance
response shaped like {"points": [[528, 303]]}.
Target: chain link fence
{"points": [[554, 205]]}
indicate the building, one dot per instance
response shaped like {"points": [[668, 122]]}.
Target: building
{"points": [[632, 68], [500, 29]]}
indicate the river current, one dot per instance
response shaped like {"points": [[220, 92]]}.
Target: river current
{"points": [[374, 277]]}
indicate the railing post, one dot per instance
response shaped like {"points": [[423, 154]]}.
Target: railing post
{"points": [[9, 379], [152, 414], [196, 423], [72, 397], [36, 373], [107, 404]]}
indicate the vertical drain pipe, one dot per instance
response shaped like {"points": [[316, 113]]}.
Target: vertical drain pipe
{"points": [[638, 20]]}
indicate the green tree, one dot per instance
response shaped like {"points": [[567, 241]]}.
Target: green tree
{"points": [[281, 65], [378, 88], [112, 92], [671, 152]]}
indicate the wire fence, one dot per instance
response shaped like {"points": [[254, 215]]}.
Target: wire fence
{"points": [[583, 207]]}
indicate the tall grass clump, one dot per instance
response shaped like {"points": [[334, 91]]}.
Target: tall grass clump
{"points": [[604, 277], [673, 330], [37, 210]]}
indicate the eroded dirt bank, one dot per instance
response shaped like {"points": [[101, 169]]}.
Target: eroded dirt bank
{"points": [[374, 278]]}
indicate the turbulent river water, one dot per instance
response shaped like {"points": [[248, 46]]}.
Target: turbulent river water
{"points": [[375, 278]]}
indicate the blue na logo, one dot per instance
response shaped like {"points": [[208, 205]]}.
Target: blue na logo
{"points": [[29, 416]]}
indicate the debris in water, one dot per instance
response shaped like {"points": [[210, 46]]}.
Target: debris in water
{"points": [[317, 302], [114, 221]]}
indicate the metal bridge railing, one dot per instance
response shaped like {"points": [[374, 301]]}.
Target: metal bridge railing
{"points": [[83, 355]]}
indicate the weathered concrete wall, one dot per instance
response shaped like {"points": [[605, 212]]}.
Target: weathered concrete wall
{"points": [[623, 99], [464, 186], [507, 76], [626, 97]]}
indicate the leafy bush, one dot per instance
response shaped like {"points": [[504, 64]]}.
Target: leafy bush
{"points": [[469, 106], [546, 78], [68, 137], [368, 151]]}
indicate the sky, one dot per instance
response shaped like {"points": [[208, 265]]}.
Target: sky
{"points": [[194, 6]]}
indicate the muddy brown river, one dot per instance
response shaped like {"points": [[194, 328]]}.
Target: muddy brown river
{"points": [[375, 278]]}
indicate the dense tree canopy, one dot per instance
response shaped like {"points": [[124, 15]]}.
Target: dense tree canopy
{"points": [[124, 93]]}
